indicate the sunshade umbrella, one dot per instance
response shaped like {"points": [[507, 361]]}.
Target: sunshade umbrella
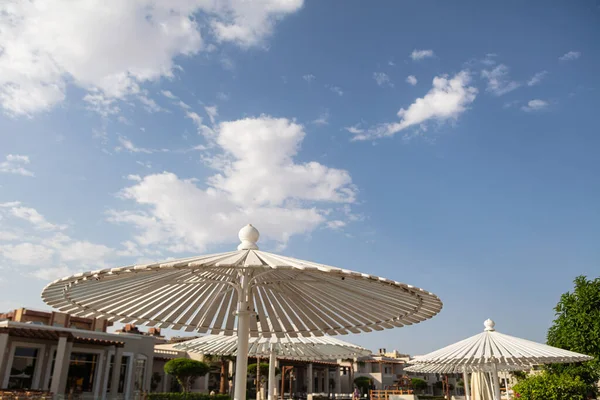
{"points": [[492, 351], [482, 386], [235, 292], [298, 348]]}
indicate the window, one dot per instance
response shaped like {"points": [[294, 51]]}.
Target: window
{"points": [[140, 372], [122, 375], [82, 371], [23, 367]]}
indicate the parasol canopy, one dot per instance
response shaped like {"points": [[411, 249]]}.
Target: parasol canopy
{"points": [[201, 294], [299, 348], [492, 351], [481, 352], [247, 292], [482, 386]]}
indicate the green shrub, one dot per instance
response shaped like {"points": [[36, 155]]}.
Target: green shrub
{"points": [[186, 396], [548, 386], [419, 384], [363, 383], [186, 370]]}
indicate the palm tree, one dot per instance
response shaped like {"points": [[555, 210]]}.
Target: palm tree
{"points": [[224, 373]]}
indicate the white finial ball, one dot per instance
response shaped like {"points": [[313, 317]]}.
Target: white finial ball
{"points": [[248, 236], [489, 325]]}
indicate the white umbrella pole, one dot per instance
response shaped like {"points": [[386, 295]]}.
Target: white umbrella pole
{"points": [[272, 362], [243, 327], [496, 382], [466, 385]]}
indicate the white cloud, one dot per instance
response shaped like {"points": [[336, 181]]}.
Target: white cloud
{"points": [[489, 59], [146, 164], [202, 129], [36, 219], [411, 80], [322, 119], [183, 105], [258, 180], [83, 252], [10, 204], [100, 103], [15, 164], [447, 99], [247, 23], [8, 236], [135, 178], [27, 253], [149, 104], [168, 94], [222, 96], [126, 144], [537, 78], [52, 273], [114, 47], [336, 224], [421, 54], [212, 113], [43, 248], [382, 79], [535, 105], [355, 130], [498, 80], [335, 89], [309, 77], [571, 55]]}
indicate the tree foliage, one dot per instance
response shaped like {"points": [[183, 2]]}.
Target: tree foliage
{"points": [[223, 373], [419, 384], [363, 383], [577, 328], [264, 369], [549, 386], [186, 370]]}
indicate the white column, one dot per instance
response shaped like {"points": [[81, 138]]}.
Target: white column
{"points": [[116, 373], [272, 366], [496, 382], [105, 375], [243, 327], [311, 379], [61, 366], [337, 380], [467, 386], [3, 352], [206, 382]]}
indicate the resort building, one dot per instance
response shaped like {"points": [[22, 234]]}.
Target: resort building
{"points": [[57, 353]]}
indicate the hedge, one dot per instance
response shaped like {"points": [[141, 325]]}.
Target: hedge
{"points": [[186, 396]]}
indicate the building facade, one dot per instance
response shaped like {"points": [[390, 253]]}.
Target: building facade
{"points": [[57, 353], [53, 352]]}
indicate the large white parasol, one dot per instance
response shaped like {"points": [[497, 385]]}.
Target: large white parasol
{"points": [[237, 292], [482, 386], [298, 348], [492, 351]]}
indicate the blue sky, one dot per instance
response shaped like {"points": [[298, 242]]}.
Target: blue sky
{"points": [[450, 146]]}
